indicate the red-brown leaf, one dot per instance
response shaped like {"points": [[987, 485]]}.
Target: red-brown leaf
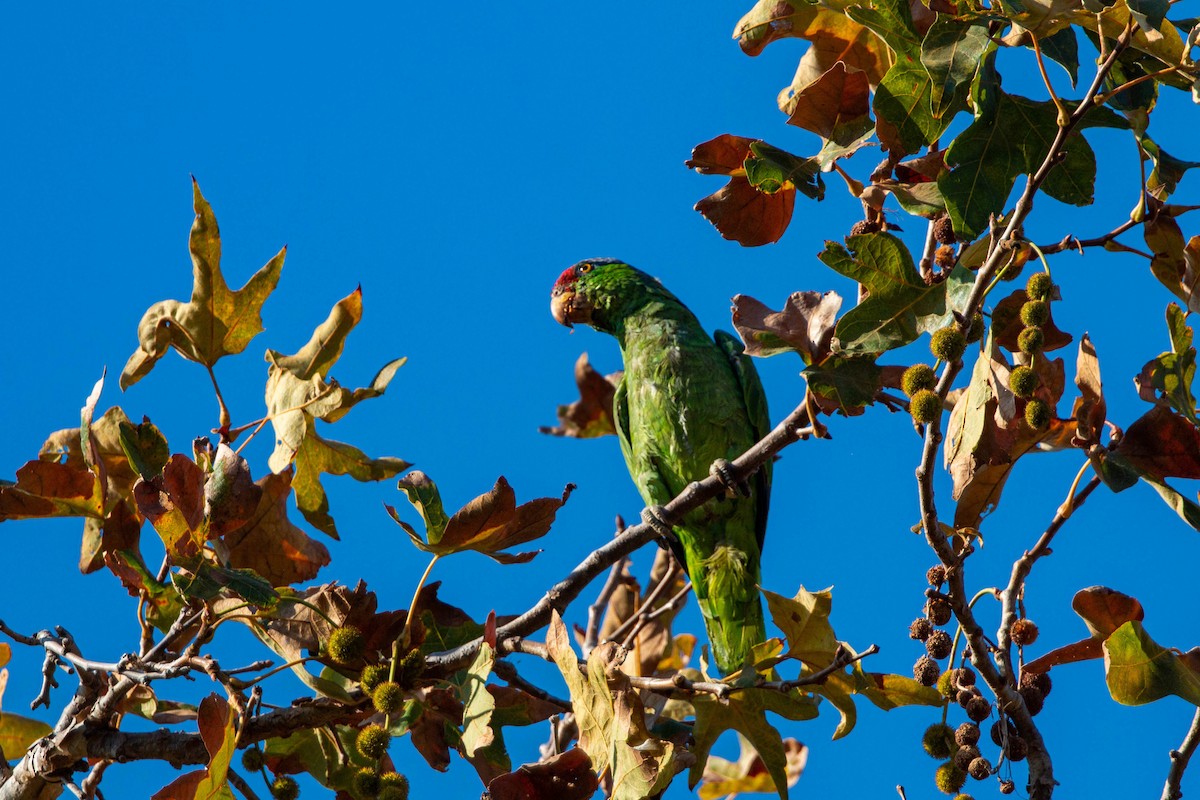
{"points": [[566, 776], [747, 216]]}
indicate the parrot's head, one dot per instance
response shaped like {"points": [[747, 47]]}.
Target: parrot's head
{"points": [[600, 291]]}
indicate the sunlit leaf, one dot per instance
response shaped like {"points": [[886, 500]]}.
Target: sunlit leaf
{"points": [[804, 620], [592, 414], [1171, 373], [217, 321], [1138, 670], [269, 543], [804, 325], [748, 774]]}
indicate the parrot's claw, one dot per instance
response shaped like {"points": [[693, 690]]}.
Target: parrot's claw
{"points": [[656, 518], [722, 470]]}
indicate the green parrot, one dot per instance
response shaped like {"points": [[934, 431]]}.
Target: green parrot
{"points": [[687, 401]]}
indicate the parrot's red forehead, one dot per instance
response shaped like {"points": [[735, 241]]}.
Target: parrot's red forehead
{"points": [[567, 278]]}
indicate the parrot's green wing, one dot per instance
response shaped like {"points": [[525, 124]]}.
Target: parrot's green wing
{"points": [[760, 419]]}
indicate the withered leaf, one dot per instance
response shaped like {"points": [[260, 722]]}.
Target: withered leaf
{"points": [[724, 778], [217, 321], [269, 543], [298, 394], [836, 106], [1162, 444], [230, 494], [489, 524], [747, 216], [804, 325], [173, 503], [1090, 410], [1007, 325], [592, 414], [566, 776], [1176, 265]]}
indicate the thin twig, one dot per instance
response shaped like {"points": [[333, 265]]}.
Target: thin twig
{"points": [[1179, 760]]}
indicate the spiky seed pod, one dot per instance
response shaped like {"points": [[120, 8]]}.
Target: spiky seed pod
{"points": [[366, 783], [967, 733], [395, 787], [373, 741], [1031, 340], [948, 343], [1023, 381], [963, 797], [920, 629], [1035, 312], [949, 778], [979, 708], [1017, 749], [938, 740], [285, 788], [996, 732], [980, 768], [1007, 787], [1039, 286], [388, 697], [938, 610], [976, 329], [410, 668], [864, 226], [944, 256], [918, 377], [1034, 700], [926, 671], [345, 645], [965, 755], [943, 230], [252, 759], [1037, 414], [936, 575], [939, 645], [963, 697], [1023, 632], [925, 406], [1039, 679], [964, 676], [372, 676]]}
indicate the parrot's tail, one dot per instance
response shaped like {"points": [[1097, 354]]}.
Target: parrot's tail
{"points": [[731, 607]]}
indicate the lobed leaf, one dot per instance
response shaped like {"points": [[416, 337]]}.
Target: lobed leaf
{"points": [[592, 414]]}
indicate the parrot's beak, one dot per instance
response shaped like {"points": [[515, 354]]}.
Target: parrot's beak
{"points": [[569, 308]]}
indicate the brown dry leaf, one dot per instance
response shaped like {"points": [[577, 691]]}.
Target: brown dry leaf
{"points": [[1090, 410], [270, 544], [173, 503], [217, 321], [654, 641], [1104, 610], [836, 106], [739, 210], [1163, 444], [592, 414], [834, 36], [1007, 325], [566, 776], [435, 730], [804, 325], [231, 496]]}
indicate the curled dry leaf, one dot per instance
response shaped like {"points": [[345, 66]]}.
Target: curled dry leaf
{"points": [[592, 414], [566, 776], [804, 325]]}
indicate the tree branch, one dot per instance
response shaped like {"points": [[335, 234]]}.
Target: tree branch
{"points": [[1179, 760], [562, 593]]}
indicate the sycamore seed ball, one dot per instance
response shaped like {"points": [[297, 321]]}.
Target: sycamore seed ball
{"points": [[1024, 631], [372, 676], [1039, 286], [935, 575], [949, 778], [967, 733], [1037, 414], [285, 788], [976, 329], [394, 785], [938, 740], [388, 697], [345, 645], [373, 741], [925, 406], [1007, 787], [980, 768], [948, 343], [938, 610], [939, 644], [965, 755], [963, 797], [979, 709], [252, 759], [926, 671], [366, 783], [918, 377], [1031, 340], [1035, 312], [920, 629], [1023, 381]]}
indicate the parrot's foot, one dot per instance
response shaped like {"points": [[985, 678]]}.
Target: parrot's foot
{"points": [[722, 470], [656, 518]]}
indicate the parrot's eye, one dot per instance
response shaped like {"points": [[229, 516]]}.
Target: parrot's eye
{"points": [[585, 268]]}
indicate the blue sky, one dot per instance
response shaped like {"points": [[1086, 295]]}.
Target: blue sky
{"points": [[453, 161]]}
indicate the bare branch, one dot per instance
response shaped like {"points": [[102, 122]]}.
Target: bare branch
{"points": [[1179, 760]]}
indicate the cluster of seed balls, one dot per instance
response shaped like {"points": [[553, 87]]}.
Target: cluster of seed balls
{"points": [[1023, 380], [947, 344], [958, 748], [347, 645]]}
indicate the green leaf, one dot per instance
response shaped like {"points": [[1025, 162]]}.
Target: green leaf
{"points": [[489, 524], [900, 306], [299, 393], [920, 199], [217, 321], [333, 763], [770, 170], [1063, 47], [951, 53], [1008, 139], [1172, 373], [478, 703], [846, 384], [209, 580], [1138, 670], [1168, 170], [145, 447]]}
